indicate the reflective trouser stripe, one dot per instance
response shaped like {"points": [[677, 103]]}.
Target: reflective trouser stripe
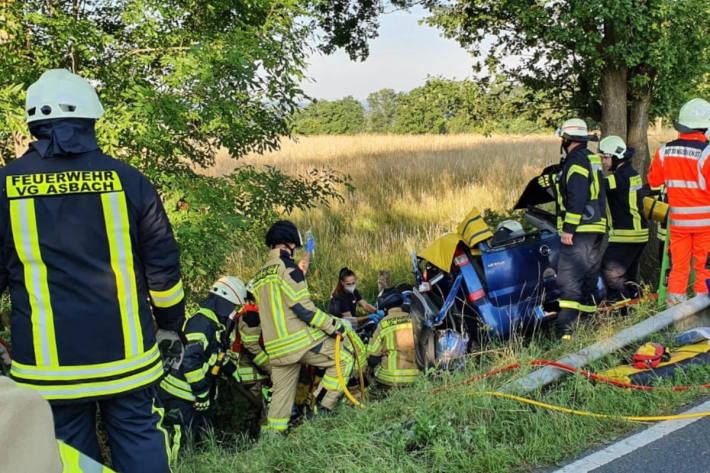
{"points": [[332, 383], [176, 440], [277, 424], [73, 461], [24, 232], [119, 240], [159, 425]]}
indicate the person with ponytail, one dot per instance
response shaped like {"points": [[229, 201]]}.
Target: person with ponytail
{"points": [[346, 299]]}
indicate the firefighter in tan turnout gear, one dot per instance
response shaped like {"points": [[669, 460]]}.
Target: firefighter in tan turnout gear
{"points": [[391, 351], [294, 331]]}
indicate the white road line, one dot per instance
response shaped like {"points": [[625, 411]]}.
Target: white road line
{"points": [[629, 444]]}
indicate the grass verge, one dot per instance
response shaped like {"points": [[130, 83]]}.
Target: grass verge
{"points": [[412, 430]]}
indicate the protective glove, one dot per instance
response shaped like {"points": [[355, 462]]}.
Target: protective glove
{"points": [[376, 317], [202, 402], [311, 245], [339, 329]]}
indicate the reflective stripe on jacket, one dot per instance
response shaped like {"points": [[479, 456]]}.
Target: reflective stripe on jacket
{"points": [[86, 250], [683, 166], [290, 323], [203, 332], [624, 206], [394, 342], [580, 194]]}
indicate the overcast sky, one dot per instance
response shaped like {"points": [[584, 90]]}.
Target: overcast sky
{"points": [[400, 59]]}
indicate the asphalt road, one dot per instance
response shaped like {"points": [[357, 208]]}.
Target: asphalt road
{"points": [[678, 446], [684, 451]]}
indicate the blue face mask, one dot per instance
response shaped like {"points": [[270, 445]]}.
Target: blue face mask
{"points": [[63, 136]]}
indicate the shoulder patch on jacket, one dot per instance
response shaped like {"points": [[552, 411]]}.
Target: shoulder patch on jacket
{"points": [[292, 269]]}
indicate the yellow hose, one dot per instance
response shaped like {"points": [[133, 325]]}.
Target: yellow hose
{"points": [[340, 373], [587, 413], [363, 395]]}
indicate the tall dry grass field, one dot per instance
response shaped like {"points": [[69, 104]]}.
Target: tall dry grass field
{"points": [[408, 191]]}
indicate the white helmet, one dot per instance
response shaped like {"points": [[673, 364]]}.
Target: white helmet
{"points": [[612, 146], [230, 288], [695, 115], [575, 129], [60, 94]]}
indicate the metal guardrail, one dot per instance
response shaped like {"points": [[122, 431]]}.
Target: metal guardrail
{"points": [[547, 375]]}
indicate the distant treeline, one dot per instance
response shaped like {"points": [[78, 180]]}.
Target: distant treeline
{"points": [[440, 106]]}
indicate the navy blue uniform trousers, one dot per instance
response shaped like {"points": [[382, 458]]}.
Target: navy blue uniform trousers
{"points": [[134, 423]]}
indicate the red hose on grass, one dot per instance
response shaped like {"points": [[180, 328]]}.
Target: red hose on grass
{"points": [[572, 369]]}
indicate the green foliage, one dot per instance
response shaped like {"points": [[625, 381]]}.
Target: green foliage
{"points": [[180, 82], [440, 106], [213, 217], [382, 110], [566, 46], [322, 117]]}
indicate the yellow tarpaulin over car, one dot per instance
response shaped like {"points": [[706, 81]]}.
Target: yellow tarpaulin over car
{"points": [[471, 230], [441, 252]]}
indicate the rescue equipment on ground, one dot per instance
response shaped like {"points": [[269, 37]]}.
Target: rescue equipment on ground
{"points": [[693, 335], [677, 358], [649, 355]]}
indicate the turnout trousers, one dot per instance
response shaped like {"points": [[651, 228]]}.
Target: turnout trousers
{"points": [[134, 423], [683, 247], [284, 379], [620, 269], [577, 276]]}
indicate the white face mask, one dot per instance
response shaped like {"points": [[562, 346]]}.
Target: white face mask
{"points": [[350, 289]]}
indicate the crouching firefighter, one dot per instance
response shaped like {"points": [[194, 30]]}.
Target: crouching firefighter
{"points": [[391, 351], [188, 391], [294, 331], [628, 229], [581, 221]]}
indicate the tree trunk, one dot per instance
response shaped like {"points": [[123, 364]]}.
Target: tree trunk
{"points": [[638, 133], [613, 95]]}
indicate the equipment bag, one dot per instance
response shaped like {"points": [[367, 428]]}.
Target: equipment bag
{"points": [[649, 355]]}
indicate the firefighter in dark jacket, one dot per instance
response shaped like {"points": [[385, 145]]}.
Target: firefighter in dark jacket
{"points": [[581, 221], [188, 392], [91, 263], [628, 229]]}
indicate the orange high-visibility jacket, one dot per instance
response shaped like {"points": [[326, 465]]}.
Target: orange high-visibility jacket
{"points": [[683, 166]]}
